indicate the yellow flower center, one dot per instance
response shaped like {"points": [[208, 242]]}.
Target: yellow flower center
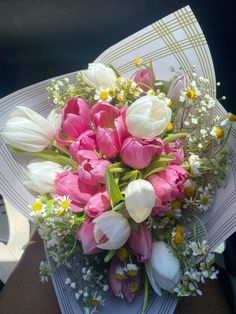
{"points": [[190, 93], [219, 133], [204, 200], [95, 302], [61, 213], [133, 287], [65, 204], [176, 204], [170, 213], [122, 254], [132, 272], [232, 117], [152, 92], [120, 277], [37, 206], [103, 95], [169, 126], [138, 61], [178, 238], [180, 230], [189, 191], [169, 103]]}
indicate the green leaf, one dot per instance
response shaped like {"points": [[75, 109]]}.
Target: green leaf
{"points": [[119, 207], [173, 137], [109, 256], [112, 188], [166, 158], [152, 171]]}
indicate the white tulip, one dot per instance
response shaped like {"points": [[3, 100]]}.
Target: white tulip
{"points": [[148, 116], [42, 175], [140, 199], [99, 76], [55, 119], [28, 130], [114, 227], [163, 268]]}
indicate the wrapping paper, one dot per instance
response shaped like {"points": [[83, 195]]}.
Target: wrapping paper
{"points": [[176, 40]]}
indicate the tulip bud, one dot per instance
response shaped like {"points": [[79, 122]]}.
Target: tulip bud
{"points": [[145, 79], [86, 237], [163, 268], [55, 119], [27, 130], [178, 85], [98, 75], [147, 117], [139, 199], [114, 227], [140, 242], [42, 176], [138, 154]]}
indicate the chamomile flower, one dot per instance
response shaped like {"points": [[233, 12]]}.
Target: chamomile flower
{"points": [[231, 118], [132, 270], [102, 95], [195, 164], [204, 202], [217, 132]]}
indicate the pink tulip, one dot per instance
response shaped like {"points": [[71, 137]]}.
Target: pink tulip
{"points": [[168, 185], [122, 288], [85, 154], [68, 183], [86, 141], [178, 85], [111, 128], [103, 115], [98, 204], [138, 153], [140, 242], [75, 117], [145, 79], [108, 143], [176, 150], [86, 237], [92, 172]]}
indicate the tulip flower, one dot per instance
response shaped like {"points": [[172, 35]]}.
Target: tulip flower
{"points": [[163, 268], [42, 176], [55, 119], [147, 117], [115, 227], [139, 199], [92, 172], [86, 141], [111, 128], [99, 76], [168, 185], [178, 85], [98, 204], [140, 242], [86, 237], [68, 183], [139, 153], [175, 149], [75, 117], [27, 130], [145, 79]]}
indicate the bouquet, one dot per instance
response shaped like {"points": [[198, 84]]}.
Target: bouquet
{"points": [[124, 171]]}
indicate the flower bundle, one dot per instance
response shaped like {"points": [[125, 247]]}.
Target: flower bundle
{"points": [[124, 169]]}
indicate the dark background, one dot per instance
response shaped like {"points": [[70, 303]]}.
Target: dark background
{"points": [[40, 39]]}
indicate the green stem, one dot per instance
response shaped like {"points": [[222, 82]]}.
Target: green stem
{"points": [[61, 148], [146, 291]]}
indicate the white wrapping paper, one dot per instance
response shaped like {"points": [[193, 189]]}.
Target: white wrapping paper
{"points": [[176, 40]]}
